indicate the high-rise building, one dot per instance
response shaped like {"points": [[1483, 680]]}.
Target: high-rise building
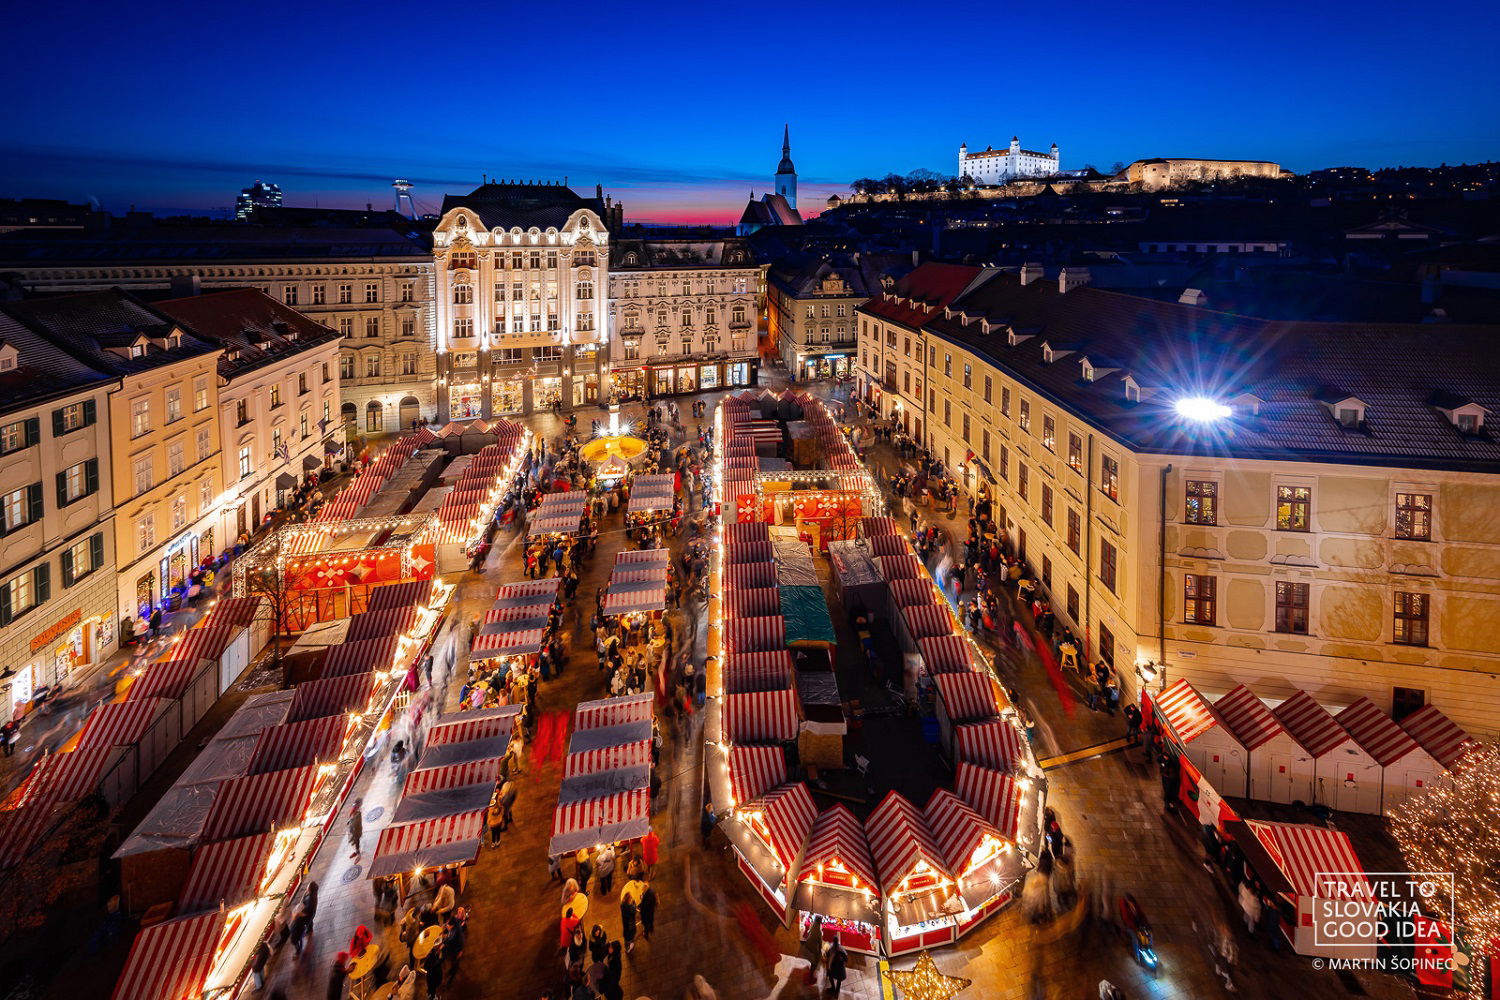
{"points": [[257, 195]]}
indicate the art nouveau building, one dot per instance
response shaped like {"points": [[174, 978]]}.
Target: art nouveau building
{"points": [[810, 313], [57, 581], [279, 397], [522, 274], [682, 316], [1292, 506], [373, 284]]}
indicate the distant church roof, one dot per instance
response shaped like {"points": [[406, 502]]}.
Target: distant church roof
{"points": [[785, 166]]}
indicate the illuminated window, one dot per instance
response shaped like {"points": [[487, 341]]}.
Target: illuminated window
{"points": [[1411, 619], [1414, 516], [1293, 505], [1198, 599], [1202, 502], [1291, 607]]}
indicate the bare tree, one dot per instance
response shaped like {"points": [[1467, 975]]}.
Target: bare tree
{"points": [[265, 577]]}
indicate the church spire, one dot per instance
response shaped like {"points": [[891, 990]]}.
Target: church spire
{"points": [[786, 173], [786, 141]]}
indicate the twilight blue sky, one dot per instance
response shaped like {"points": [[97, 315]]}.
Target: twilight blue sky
{"points": [[677, 108]]}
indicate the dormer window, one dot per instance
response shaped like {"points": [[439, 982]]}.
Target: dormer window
{"points": [[1468, 423], [1349, 416], [137, 350], [8, 357], [1014, 339], [174, 341], [1088, 371], [1132, 391], [1349, 411]]}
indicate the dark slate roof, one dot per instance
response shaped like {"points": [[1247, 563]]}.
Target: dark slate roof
{"points": [[921, 294], [43, 370], [1174, 350], [87, 325], [806, 281], [250, 324], [661, 254], [507, 205], [206, 244]]}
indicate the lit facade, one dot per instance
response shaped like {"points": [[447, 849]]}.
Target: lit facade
{"points": [[997, 166], [810, 314]]}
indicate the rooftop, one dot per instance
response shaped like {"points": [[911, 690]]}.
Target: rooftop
{"points": [[921, 294], [43, 371], [97, 329], [253, 327], [508, 205], [205, 243], [659, 254]]}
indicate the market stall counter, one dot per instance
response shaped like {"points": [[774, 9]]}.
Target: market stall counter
{"points": [[836, 881]]}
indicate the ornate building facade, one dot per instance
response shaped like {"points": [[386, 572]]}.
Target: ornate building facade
{"points": [[997, 166], [811, 317], [681, 316], [522, 271]]}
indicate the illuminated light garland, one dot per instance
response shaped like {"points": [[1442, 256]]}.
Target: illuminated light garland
{"points": [[925, 982], [1454, 826]]}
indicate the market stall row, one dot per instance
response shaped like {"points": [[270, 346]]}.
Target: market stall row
{"points": [[605, 796]]}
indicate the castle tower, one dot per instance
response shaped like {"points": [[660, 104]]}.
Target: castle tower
{"points": [[786, 174], [963, 166]]}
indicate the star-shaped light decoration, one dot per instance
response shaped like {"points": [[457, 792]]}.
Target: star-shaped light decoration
{"points": [[925, 982]]}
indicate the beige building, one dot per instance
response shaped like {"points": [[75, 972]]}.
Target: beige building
{"points": [[681, 315], [278, 397], [163, 422], [1292, 506], [57, 582], [522, 274], [373, 284], [1154, 175], [810, 311]]}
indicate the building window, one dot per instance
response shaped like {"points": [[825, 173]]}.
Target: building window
{"points": [[289, 295], [968, 377], [77, 481], [372, 326], [174, 405], [20, 434], [302, 425], [1025, 416], [948, 365], [463, 295], [1107, 564], [1291, 607], [23, 592], [372, 292], [82, 558], [737, 315], [320, 295], [1405, 701], [1004, 401], [70, 418], [346, 295], [21, 507], [140, 417], [1106, 646], [179, 513], [1410, 625], [1293, 504], [143, 474], [205, 443], [1047, 505], [1049, 433], [1073, 603], [176, 458], [1004, 467], [1047, 572], [408, 364], [1023, 482], [1202, 502], [1075, 452], [948, 412], [966, 429], [372, 366], [989, 386], [205, 496], [145, 533], [346, 326], [246, 466], [275, 396], [1198, 603], [241, 412], [1414, 516], [346, 366], [408, 291], [408, 326], [632, 350], [1109, 477]]}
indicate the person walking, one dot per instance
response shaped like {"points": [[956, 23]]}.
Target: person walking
{"points": [[650, 848], [814, 950], [604, 864], [299, 928], [356, 826], [337, 976], [647, 910], [1250, 906], [627, 922], [707, 821], [433, 967], [584, 871], [598, 943], [838, 966]]}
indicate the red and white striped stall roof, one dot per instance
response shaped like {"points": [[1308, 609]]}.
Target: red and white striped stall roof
{"points": [[450, 776], [754, 635], [1376, 733], [753, 603], [874, 527], [1310, 724], [755, 770], [564, 498], [749, 552], [750, 576], [1248, 718], [899, 839], [650, 557], [382, 622], [993, 795], [912, 592], [479, 724], [927, 621], [899, 567], [171, 960], [746, 531], [560, 524], [969, 697], [522, 643], [400, 595], [994, 744], [429, 843], [236, 610], [889, 546], [838, 838], [1438, 735], [789, 814], [625, 602], [21, 828], [649, 573], [1185, 710], [957, 828], [230, 871], [206, 642], [316, 699], [948, 654], [769, 671], [297, 744], [1312, 856], [165, 680], [259, 802], [534, 614], [608, 712], [607, 819], [531, 588], [761, 716], [359, 657], [615, 758], [119, 724], [66, 777]]}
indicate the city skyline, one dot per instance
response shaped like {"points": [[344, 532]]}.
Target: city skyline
{"points": [[676, 150]]}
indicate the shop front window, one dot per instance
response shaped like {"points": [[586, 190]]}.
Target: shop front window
{"points": [[708, 377], [739, 374], [687, 380], [547, 392], [465, 401], [508, 396]]}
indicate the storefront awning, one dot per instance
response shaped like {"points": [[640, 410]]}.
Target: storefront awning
{"points": [[286, 481], [311, 462]]}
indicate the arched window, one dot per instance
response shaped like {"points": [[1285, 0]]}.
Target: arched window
{"points": [[374, 417]]}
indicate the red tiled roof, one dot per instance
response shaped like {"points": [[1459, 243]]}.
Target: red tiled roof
{"points": [[926, 291]]}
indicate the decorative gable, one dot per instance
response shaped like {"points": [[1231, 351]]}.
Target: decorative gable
{"points": [[10, 358], [1349, 411]]}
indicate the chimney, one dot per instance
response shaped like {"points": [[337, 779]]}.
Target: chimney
{"points": [[1073, 277], [186, 285], [1192, 297], [1030, 272]]}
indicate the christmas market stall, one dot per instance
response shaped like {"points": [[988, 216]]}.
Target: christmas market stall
{"points": [[856, 578], [1279, 769], [605, 794], [836, 881], [987, 869], [1439, 735], [919, 896], [1345, 777], [1405, 768], [1188, 721]]}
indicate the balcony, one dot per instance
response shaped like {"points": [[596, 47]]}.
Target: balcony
{"points": [[889, 385]]}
